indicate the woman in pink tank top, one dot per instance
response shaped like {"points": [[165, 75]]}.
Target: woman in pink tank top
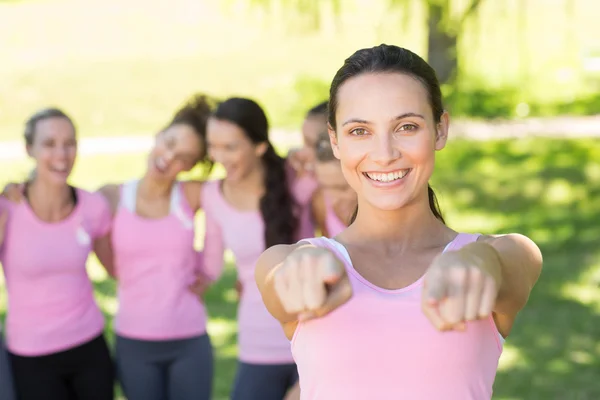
{"points": [[397, 306], [54, 326], [335, 200], [163, 350], [256, 206]]}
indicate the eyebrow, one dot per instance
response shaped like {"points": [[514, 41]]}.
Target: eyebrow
{"points": [[399, 117]]}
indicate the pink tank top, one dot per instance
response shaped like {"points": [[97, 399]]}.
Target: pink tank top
{"points": [[260, 337], [333, 223], [51, 304], [380, 345], [155, 263]]}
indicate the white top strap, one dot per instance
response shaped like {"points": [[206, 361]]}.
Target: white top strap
{"points": [[128, 195]]}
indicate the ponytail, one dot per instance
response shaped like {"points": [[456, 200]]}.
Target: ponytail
{"points": [[277, 206], [433, 204]]}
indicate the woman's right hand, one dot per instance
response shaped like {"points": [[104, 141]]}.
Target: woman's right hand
{"points": [[3, 219], [13, 192], [311, 283]]}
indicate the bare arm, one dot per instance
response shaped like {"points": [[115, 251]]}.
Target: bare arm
{"points": [[520, 262], [319, 212], [103, 245], [112, 194], [193, 194], [103, 250]]}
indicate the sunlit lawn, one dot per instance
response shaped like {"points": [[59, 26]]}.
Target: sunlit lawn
{"points": [[547, 189]]}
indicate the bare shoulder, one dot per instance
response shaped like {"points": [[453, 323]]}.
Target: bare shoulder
{"points": [[112, 194], [510, 241], [192, 191]]}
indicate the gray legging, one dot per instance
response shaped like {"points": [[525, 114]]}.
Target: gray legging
{"points": [[6, 383], [165, 370], [263, 381]]}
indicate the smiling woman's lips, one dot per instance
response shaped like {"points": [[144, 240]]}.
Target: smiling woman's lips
{"points": [[387, 179]]}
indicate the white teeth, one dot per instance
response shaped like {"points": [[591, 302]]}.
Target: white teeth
{"points": [[387, 177]]}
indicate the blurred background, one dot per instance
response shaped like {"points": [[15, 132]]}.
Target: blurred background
{"points": [[521, 80]]}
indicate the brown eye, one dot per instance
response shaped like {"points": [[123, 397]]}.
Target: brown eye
{"points": [[358, 132], [408, 127]]}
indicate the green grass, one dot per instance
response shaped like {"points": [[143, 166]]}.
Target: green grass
{"points": [[546, 189]]}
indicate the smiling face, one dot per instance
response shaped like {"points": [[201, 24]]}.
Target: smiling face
{"points": [[178, 148], [386, 138], [54, 148], [229, 146]]}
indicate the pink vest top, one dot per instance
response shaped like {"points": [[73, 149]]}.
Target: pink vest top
{"points": [[334, 224], [51, 305], [155, 263], [380, 346], [260, 337]]}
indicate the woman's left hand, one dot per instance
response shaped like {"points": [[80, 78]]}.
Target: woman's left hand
{"points": [[461, 286], [199, 286]]}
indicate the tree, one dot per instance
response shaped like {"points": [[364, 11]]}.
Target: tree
{"points": [[444, 29], [445, 22]]}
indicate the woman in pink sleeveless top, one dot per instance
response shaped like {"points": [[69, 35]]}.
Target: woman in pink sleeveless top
{"points": [[397, 306], [335, 200], [256, 206], [163, 351], [54, 326]]}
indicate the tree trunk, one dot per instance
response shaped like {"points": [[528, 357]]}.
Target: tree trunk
{"points": [[441, 44]]}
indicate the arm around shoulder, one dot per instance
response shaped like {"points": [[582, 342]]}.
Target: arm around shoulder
{"points": [[111, 193], [193, 193]]}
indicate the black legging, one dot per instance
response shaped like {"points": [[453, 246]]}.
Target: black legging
{"points": [[6, 381], [84, 372]]}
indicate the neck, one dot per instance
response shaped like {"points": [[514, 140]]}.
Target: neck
{"points": [[412, 226], [254, 182], [49, 197], [149, 187]]}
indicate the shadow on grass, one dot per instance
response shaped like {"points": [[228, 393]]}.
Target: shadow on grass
{"points": [[549, 191]]}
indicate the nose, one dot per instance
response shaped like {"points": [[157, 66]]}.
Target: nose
{"points": [[168, 156], [384, 150]]}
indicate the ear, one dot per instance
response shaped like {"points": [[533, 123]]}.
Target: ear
{"points": [[441, 134], [261, 148], [334, 141]]}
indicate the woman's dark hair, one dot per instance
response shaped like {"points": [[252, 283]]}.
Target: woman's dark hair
{"points": [[195, 113], [318, 110], [277, 205], [323, 149], [46, 113], [390, 59]]}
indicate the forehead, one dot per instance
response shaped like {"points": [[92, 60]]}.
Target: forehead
{"points": [[222, 132], [314, 124], [185, 138], [382, 95], [182, 132], [55, 127]]}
